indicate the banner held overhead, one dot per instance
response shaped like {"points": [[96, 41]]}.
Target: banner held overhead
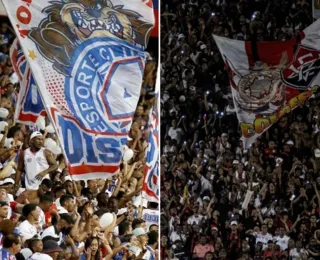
{"points": [[88, 62]]}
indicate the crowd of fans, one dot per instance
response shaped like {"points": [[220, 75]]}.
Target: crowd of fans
{"points": [[44, 214], [206, 173]]}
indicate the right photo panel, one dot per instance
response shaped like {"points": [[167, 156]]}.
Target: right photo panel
{"points": [[240, 139]]}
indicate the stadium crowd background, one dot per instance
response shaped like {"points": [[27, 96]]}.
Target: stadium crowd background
{"points": [[59, 219], [205, 171]]}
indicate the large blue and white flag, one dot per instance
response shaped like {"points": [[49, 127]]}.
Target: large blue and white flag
{"points": [[87, 58], [151, 184], [28, 104]]}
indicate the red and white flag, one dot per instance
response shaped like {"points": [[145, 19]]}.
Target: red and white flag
{"points": [[268, 80]]}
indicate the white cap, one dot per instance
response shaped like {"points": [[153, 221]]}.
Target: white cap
{"points": [[67, 178], [290, 142], [234, 223], [8, 180], [182, 98], [180, 36], [199, 43], [203, 46], [35, 134], [224, 134], [50, 129], [235, 162], [26, 252], [4, 112], [3, 125], [56, 150], [8, 142], [206, 198], [41, 256], [139, 232]]}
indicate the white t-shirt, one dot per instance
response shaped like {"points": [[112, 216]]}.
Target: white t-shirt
{"points": [[57, 202], [195, 219], [295, 255], [42, 218], [122, 211], [263, 239], [40, 256], [205, 184], [282, 242], [27, 231], [52, 232], [175, 134], [150, 254], [62, 210], [222, 147], [151, 217], [34, 163], [174, 237], [9, 199], [169, 149], [238, 175], [116, 231]]}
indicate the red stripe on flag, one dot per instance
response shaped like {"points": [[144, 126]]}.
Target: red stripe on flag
{"points": [[27, 117], [271, 52], [247, 46], [86, 169], [155, 30]]}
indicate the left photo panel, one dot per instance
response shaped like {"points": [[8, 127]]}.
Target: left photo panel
{"points": [[79, 129]]}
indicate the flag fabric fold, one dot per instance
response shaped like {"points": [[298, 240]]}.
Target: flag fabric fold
{"points": [[29, 104], [155, 30], [151, 184], [270, 79], [88, 63]]}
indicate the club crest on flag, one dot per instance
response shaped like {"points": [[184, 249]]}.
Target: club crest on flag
{"points": [[259, 91], [86, 90], [87, 44], [303, 70], [58, 36]]}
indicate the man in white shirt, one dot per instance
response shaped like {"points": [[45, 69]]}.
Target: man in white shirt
{"points": [[151, 215], [196, 218], [29, 228], [67, 204], [223, 144], [56, 232], [298, 253], [282, 240], [37, 163], [152, 246], [174, 132], [263, 236], [178, 235]]}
